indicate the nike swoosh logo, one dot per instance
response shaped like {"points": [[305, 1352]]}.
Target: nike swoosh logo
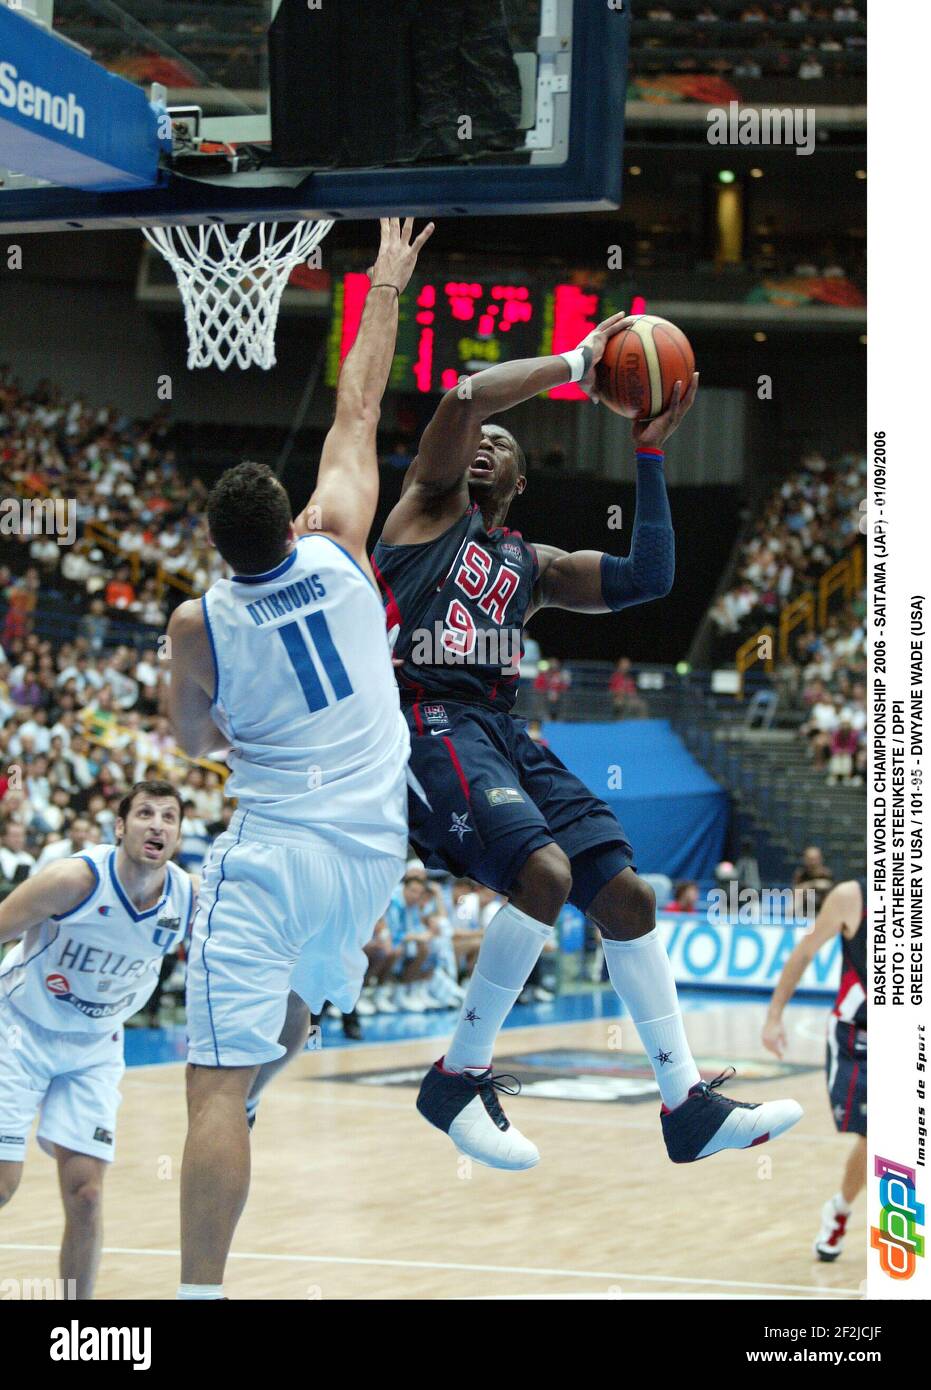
{"points": [[434, 732]]}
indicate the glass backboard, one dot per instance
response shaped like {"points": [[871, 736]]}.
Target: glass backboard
{"points": [[205, 53], [210, 62]]}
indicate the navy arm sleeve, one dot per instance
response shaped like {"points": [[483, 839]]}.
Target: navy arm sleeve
{"points": [[648, 571]]}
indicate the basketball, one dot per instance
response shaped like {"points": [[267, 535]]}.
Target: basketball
{"points": [[641, 365]]}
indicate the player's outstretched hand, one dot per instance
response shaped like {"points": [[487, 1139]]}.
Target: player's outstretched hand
{"points": [[652, 434], [597, 340], [774, 1038], [397, 254]]}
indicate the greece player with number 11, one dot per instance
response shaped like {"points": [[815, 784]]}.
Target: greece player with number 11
{"points": [[289, 662], [96, 928]]}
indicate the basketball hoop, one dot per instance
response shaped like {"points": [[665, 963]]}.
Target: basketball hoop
{"points": [[231, 281]]}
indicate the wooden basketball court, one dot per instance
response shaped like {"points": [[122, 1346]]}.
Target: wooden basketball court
{"points": [[354, 1196]]}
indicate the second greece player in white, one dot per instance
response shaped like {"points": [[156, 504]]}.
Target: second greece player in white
{"points": [[95, 929], [288, 666]]}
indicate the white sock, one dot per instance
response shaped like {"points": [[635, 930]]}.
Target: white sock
{"points": [[840, 1206], [202, 1291], [511, 947], [642, 978]]}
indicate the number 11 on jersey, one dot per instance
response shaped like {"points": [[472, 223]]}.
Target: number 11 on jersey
{"points": [[299, 654]]}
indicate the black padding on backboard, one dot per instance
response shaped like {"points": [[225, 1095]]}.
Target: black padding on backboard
{"points": [[341, 82]]}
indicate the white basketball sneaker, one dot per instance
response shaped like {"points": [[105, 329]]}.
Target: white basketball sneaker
{"points": [[829, 1242], [465, 1106], [382, 1000], [429, 999], [407, 1000], [707, 1122]]}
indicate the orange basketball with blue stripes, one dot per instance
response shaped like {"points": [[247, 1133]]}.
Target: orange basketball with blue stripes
{"points": [[641, 365]]}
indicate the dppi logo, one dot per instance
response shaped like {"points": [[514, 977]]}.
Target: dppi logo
{"points": [[896, 1237]]}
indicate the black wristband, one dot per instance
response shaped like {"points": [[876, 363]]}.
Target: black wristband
{"points": [[386, 286]]}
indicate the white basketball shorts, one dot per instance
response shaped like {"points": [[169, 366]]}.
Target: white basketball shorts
{"points": [[71, 1081], [276, 913]]}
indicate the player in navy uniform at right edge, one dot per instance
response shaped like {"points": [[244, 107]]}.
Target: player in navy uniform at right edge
{"points": [[843, 913], [499, 808]]}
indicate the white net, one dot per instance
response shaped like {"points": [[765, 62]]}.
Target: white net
{"points": [[231, 281]]}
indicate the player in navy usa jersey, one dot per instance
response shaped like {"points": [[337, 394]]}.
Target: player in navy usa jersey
{"points": [[843, 914], [459, 586]]}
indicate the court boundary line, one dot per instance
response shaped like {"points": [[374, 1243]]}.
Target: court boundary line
{"points": [[460, 1267]]}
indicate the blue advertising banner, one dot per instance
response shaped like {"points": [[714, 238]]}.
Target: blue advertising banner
{"points": [[66, 119], [737, 955]]}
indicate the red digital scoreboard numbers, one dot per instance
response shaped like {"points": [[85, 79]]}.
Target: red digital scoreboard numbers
{"points": [[450, 328]]}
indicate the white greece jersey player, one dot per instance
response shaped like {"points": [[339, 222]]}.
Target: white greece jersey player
{"points": [[88, 970], [306, 695]]}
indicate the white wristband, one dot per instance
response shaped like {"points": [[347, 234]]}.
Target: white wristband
{"points": [[578, 361]]}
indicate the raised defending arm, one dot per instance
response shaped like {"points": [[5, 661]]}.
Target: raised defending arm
{"points": [[344, 500]]}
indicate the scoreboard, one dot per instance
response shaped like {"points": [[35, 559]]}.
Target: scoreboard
{"points": [[452, 327]]}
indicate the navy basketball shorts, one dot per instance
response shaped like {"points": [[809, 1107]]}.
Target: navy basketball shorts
{"points": [[846, 1066], [492, 797]]}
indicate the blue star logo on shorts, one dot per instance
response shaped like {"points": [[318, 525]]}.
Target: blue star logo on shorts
{"points": [[459, 826]]}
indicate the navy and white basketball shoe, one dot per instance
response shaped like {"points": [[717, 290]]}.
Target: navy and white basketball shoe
{"points": [[707, 1122], [465, 1106]]}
